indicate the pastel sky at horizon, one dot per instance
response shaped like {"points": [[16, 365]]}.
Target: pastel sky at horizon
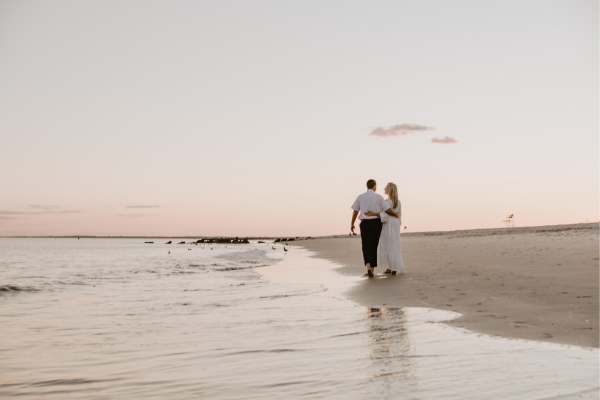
{"points": [[250, 118]]}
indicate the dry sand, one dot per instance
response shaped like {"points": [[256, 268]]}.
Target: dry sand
{"points": [[536, 283]]}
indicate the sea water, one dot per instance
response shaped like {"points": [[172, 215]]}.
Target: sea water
{"points": [[118, 318]]}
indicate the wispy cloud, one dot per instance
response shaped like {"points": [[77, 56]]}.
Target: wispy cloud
{"points": [[45, 212], [398, 130], [131, 215], [155, 206], [446, 140], [43, 207]]}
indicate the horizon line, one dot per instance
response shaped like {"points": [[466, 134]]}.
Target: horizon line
{"points": [[286, 236]]}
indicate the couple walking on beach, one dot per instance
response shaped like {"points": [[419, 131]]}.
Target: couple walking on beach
{"points": [[379, 224]]}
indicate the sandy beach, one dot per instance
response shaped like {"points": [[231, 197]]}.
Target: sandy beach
{"points": [[536, 283]]}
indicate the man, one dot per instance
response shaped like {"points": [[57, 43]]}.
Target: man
{"points": [[370, 227]]}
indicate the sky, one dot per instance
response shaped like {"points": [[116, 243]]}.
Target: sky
{"points": [[251, 118]]}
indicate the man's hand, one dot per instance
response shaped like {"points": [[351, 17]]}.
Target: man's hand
{"points": [[354, 215]]}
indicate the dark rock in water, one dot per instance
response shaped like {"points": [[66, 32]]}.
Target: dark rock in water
{"points": [[260, 241], [223, 240], [181, 243], [198, 241], [277, 240], [169, 242], [148, 242]]}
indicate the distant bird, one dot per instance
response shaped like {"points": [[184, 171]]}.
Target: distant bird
{"points": [[211, 248], [284, 249], [169, 252], [273, 247], [189, 249]]}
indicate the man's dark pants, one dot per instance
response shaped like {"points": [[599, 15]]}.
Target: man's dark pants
{"points": [[370, 231]]}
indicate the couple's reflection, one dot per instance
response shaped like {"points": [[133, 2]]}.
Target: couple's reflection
{"points": [[392, 363]]}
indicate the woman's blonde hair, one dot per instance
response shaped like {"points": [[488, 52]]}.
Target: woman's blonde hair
{"points": [[393, 194]]}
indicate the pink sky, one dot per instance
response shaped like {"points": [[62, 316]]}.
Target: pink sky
{"points": [[258, 118]]}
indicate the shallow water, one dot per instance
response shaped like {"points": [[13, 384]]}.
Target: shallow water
{"points": [[117, 318]]}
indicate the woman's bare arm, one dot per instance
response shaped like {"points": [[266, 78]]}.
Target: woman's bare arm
{"points": [[391, 212]]}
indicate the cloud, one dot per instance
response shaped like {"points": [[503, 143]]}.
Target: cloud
{"points": [[42, 207], [398, 130], [131, 215], [7, 212], [142, 206], [446, 140]]}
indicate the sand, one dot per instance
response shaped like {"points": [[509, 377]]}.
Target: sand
{"points": [[536, 283]]}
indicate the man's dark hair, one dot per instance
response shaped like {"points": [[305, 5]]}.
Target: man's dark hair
{"points": [[371, 183]]}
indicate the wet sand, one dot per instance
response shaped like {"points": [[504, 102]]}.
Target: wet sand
{"points": [[536, 283]]}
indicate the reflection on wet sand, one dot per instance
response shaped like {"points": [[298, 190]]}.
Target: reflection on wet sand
{"points": [[392, 363]]}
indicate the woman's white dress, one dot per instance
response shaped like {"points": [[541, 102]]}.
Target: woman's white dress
{"points": [[389, 242]]}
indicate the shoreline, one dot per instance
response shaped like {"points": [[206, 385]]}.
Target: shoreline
{"points": [[533, 283]]}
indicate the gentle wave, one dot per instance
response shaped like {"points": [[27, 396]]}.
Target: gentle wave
{"points": [[16, 289]]}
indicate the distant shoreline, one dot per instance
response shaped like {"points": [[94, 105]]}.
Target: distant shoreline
{"points": [[519, 229]]}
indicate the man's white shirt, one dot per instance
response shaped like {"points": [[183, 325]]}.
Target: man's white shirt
{"points": [[370, 201]]}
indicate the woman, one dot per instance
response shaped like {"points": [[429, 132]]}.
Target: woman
{"points": [[389, 242]]}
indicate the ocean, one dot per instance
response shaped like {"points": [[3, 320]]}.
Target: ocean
{"points": [[118, 318]]}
